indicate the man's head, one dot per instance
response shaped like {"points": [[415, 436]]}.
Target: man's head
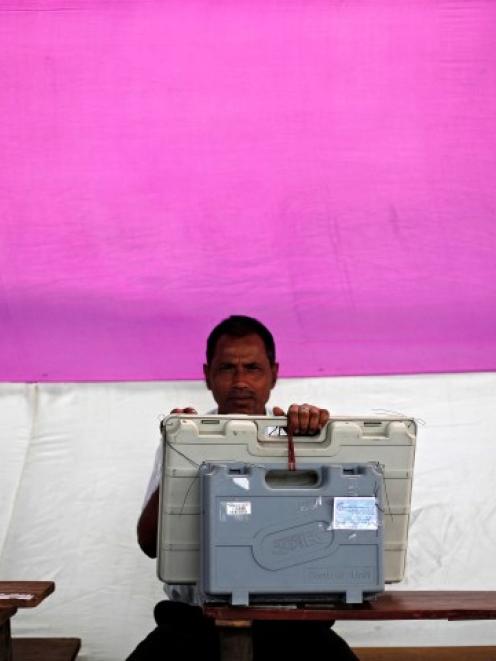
{"points": [[241, 366]]}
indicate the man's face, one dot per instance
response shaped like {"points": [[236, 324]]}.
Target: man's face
{"points": [[240, 375]]}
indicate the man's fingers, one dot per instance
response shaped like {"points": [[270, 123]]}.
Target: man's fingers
{"points": [[189, 410], [294, 419], [304, 414], [305, 419], [277, 410], [324, 417], [314, 420]]}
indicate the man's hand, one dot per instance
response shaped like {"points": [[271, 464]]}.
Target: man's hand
{"points": [[189, 410], [304, 419]]}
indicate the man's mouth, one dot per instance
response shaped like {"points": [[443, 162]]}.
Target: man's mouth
{"points": [[240, 397], [239, 403]]}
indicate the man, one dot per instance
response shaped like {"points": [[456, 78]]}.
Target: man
{"points": [[240, 371]]}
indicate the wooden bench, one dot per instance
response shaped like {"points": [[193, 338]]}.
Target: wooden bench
{"points": [[234, 622], [45, 649], [6, 612], [23, 594], [426, 653]]}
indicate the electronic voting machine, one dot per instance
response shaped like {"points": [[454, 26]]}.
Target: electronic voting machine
{"points": [[243, 526]]}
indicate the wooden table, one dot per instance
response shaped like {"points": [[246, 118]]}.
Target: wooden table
{"points": [[234, 622], [14, 595]]}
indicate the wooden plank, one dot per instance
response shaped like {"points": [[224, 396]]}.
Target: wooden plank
{"points": [[45, 649], [5, 639], [426, 653], [393, 605], [24, 594], [6, 613], [235, 644]]}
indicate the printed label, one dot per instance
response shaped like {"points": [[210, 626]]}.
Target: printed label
{"points": [[239, 510], [355, 513], [341, 575]]}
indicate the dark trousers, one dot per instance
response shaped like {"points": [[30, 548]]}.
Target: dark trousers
{"points": [[184, 632]]}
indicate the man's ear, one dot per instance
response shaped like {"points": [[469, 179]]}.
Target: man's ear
{"points": [[275, 371], [205, 374]]}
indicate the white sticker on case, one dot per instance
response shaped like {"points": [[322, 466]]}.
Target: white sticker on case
{"points": [[239, 508], [355, 513]]}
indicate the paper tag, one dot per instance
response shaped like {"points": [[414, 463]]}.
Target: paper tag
{"points": [[355, 513], [239, 508]]}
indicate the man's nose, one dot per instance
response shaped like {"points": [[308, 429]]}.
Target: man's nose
{"points": [[239, 377]]}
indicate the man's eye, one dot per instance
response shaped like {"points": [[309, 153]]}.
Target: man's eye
{"points": [[253, 368], [225, 368]]}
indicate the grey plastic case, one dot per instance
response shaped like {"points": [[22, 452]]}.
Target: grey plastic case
{"points": [[191, 440], [269, 534]]}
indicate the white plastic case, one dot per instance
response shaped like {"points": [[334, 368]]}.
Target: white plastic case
{"points": [[190, 440]]}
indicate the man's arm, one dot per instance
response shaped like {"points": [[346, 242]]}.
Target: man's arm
{"points": [[148, 526], [148, 521]]}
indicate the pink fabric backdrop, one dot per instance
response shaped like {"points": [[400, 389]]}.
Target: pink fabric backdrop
{"points": [[327, 166]]}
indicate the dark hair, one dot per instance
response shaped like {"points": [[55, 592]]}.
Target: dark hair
{"points": [[238, 325]]}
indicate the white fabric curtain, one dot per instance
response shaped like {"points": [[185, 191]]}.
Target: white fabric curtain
{"points": [[75, 460]]}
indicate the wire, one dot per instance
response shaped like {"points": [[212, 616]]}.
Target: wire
{"points": [[291, 452]]}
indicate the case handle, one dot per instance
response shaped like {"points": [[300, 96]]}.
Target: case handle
{"points": [[280, 478]]}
